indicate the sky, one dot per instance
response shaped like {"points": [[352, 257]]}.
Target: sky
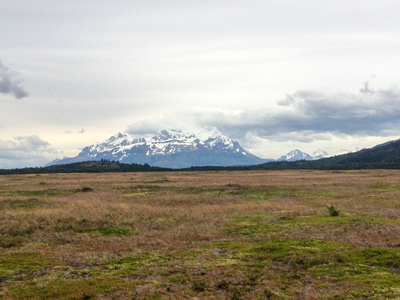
{"points": [[275, 75]]}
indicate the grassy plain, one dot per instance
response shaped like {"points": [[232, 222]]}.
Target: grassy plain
{"points": [[201, 235]]}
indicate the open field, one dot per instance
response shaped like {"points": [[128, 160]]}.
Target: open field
{"points": [[204, 235]]}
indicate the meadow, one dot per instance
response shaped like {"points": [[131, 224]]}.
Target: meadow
{"points": [[201, 235]]}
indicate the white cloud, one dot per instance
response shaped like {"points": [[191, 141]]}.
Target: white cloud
{"points": [[24, 151], [68, 131]]}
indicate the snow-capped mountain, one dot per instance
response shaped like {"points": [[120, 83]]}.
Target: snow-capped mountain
{"points": [[296, 154], [169, 148], [318, 154]]}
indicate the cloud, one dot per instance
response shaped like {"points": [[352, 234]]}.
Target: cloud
{"points": [[10, 84], [304, 116], [367, 113], [70, 132], [25, 151]]}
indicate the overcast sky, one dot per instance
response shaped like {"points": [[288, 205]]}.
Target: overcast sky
{"points": [[273, 75]]}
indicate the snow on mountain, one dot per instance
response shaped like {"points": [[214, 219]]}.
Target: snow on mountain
{"points": [[296, 154], [318, 154], [169, 148]]}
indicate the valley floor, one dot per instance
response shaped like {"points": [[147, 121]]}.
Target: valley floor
{"points": [[201, 235]]}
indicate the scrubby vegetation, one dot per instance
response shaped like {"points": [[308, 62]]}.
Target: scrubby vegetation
{"points": [[210, 235], [333, 212]]}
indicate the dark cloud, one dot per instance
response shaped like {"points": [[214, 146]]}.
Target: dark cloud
{"points": [[365, 113], [304, 116], [308, 115], [10, 84], [25, 151], [366, 89]]}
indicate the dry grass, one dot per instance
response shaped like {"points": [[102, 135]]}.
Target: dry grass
{"points": [[211, 235]]}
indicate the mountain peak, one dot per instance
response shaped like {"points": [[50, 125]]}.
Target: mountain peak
{"points": [[318, 154], [172, 134], [294, 155], [297, 154], [117, 136]]}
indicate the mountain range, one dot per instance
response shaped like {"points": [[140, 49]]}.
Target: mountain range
{"points": [[296, 155], [169, 149]]}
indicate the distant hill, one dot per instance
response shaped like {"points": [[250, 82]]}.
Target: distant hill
{"points": [[383, 156], [102, 166]]}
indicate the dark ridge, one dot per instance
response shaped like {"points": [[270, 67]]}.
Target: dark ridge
{"points": [[102, 166]]}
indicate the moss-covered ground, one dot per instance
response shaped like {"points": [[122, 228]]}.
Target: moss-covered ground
{"points": [[201, 235]]}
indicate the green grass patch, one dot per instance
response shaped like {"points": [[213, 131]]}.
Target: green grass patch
{"points": [[260, 224], [177, 278], [271, 192], [342, 219], [385, 187], [127, 265], [376, 267], [60, 287], [374, 272], [92, 227], [143, 190], [263, 193], [289, 247], [251, 225], [381, 257], [312, 194], [21, 263]]}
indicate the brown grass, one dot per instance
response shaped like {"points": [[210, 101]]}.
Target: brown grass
{"points": [[191, 233]]}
